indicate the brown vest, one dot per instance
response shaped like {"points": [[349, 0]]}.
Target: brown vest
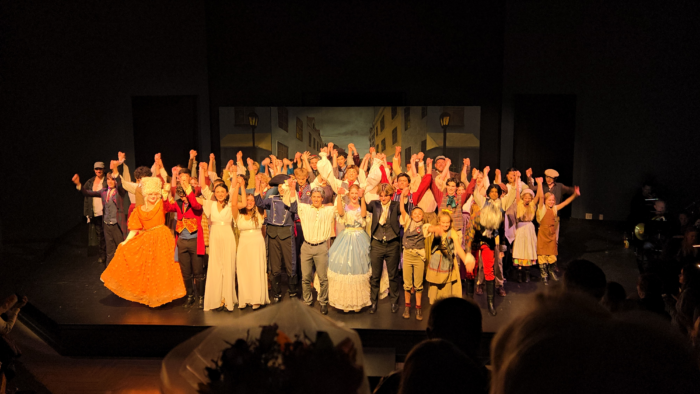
{"points": [[547, 235]]}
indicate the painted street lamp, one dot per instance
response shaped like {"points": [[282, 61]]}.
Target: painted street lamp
{"points": [[444, 122], [253, 121]]}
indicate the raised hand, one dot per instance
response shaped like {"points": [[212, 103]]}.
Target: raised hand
{"points": [[193, 154], [157, 157], [306, 155], [229, 166], [414, 158], [528, 172], [239, 156], [286, 161], [250, 161], [265, 162], [203, 166], [578, 191], [367, 156], [240, 182], [466, 162], [342, 191], [76, 179], [539, 180], [518, 175], [486, 170], [398, 150], [297, 156], [176, 171], [121, 156], [278, 163], [448, 163], [498, 173], [421, 155], [351, 148], [113, 164], [475, 172], [330, 147], [335, 153]]}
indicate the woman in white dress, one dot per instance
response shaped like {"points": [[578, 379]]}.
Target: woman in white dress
{"points": [[252, 257], [220, 292]]}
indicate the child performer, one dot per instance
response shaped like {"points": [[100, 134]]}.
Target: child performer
{"points": [[414, 229], [547, 236], [143, 269], [525, 242], [443, 269]]}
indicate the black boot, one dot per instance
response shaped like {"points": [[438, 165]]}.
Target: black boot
{"points": [[527, 275], [551, 269], [199, 289], [543, 273], [490, 290], [275, 287], [189, 301], [470, 288], [520, 275], [293, 281]]}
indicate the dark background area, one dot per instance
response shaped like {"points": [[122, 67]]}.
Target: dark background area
{"points": [[68, 73]]}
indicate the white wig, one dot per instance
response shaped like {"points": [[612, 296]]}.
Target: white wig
{"points": [[151, 184]]}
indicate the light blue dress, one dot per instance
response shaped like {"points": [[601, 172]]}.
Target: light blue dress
{"points": [[349, 265]]}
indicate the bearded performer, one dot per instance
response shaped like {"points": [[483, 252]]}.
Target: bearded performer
{"points": [[484, 234], [143, 268]]}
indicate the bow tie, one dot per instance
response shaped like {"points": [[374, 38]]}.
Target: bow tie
{"points": [[451, 202]]}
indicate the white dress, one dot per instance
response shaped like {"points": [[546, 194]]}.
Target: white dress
{"points": [[220, 285], [252, 263]]}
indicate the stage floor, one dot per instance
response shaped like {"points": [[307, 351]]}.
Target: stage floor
{"points": [[75, 313]]}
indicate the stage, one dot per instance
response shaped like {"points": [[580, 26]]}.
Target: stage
{"points": [[73, 312]]}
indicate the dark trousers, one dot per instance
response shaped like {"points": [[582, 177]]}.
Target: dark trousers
{"points": [[299, 241], [191, 264], [381, 251], [280, 252], [113, 237], [99, 230]]}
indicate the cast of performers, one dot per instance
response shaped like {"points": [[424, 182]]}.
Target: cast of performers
{"points": [[350, 224]]}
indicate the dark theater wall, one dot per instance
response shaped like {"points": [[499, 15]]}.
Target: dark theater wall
{"points": [[633, 70], [68, 72]]}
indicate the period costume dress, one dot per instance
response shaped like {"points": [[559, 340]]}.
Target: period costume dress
{"points": [[525, 243], [252, 262], [143, 270], [349, 265], [443, 268], [220, 288]]}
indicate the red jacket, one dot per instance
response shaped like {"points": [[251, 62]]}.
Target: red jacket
{"points": [[194, 211]]}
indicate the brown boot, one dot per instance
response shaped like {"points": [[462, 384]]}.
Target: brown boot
{"points": [[419, 314], [407, 313]]}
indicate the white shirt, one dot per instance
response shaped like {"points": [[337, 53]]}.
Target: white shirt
{"points": [[316, 222]]}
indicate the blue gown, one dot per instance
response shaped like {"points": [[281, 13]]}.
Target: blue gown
{"points": [[349, 265]]}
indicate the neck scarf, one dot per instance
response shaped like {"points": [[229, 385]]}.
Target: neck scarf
{"points": [[385, 213], [451, 202]]}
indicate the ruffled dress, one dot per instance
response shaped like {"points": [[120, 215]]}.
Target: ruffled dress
{"points": [[349, 265], [144, 270]]}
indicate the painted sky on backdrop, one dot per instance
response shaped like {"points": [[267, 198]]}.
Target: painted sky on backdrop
{"points": [[342, 126]]}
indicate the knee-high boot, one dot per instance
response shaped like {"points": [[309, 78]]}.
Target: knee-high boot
{"points": [[470, 288], [551, 269], [490, 290], [189, 301], [199, 289], [543, 273]]}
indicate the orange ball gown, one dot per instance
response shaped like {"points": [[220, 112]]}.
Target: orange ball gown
{"points": [[144, 269]]}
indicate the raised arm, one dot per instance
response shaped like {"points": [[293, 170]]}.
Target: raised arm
{"points": [[202, 174], [339, 203], [540, 191], [465, 170], [363, 204], [571, 198], [404, 200]]}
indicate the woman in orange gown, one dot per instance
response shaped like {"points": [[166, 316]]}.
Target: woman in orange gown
{"points": [[144, 269]]}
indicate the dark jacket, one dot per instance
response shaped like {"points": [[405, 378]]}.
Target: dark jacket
{"points": [[87, 201], [375, 207], [120, 195]]}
